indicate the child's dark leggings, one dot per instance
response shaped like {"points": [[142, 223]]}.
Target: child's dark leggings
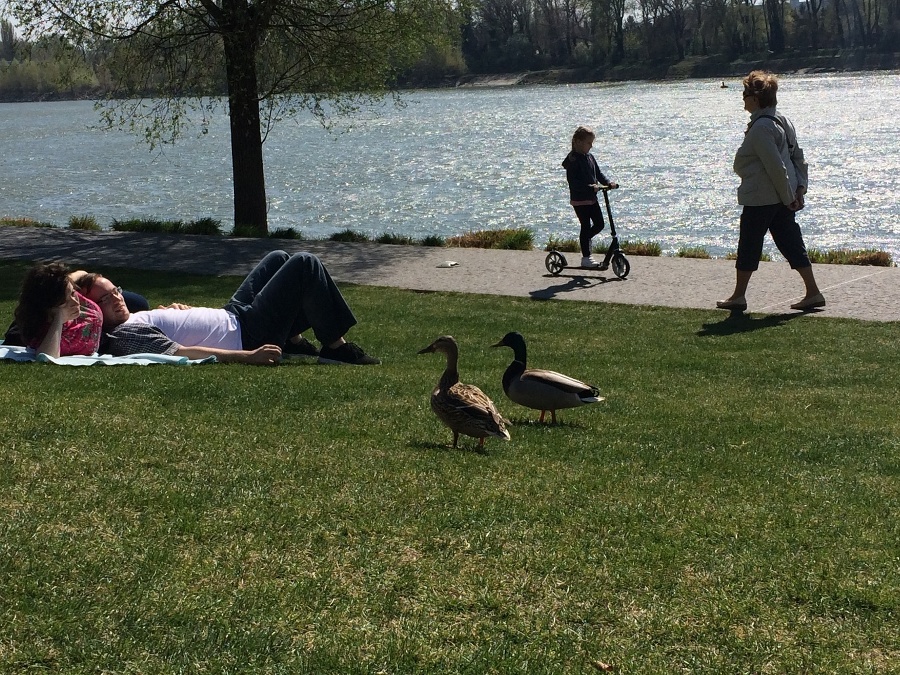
{"points": [[588, 214]]}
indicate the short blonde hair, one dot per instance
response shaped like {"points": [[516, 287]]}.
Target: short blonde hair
{"points": [[764, 86], [582, 133]]}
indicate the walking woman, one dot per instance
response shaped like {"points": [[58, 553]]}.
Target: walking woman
{"points": [[773, 176]]}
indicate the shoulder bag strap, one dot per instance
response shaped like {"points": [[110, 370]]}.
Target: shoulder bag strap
{"points": [[787, 136]]}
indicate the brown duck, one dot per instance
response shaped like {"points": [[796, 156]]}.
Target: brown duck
{"points": [[463, 407]]}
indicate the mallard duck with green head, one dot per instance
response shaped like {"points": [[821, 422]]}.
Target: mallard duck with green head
{"points": [[464, 408], [542, 389]]}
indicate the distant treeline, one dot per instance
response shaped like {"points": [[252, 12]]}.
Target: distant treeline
{"points": [[503, 36], [519, 35]]}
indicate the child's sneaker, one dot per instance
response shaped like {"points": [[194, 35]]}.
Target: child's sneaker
{"points": [[588, 261], [347, 354]]}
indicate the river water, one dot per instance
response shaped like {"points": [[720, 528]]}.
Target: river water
{"points": [[452, 161]]}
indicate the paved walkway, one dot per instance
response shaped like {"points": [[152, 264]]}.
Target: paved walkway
{"points": [[868, 293]]}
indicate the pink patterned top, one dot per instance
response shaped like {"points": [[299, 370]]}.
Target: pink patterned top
{"points": [[80, 336]]}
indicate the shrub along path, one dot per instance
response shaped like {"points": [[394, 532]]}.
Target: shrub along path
{"points": [[867, 293]]}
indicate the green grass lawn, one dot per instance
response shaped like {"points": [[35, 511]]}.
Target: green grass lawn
{"points": [[732, 507]]}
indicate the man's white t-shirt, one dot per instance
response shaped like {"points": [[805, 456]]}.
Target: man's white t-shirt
{"points": [[194, 327]]}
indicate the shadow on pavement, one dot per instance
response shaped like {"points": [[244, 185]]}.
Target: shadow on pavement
{"points": [[192, 254], [744, 323], [575, 283]]}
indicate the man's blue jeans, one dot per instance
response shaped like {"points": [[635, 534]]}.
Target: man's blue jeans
{"points": [[285, 295]]}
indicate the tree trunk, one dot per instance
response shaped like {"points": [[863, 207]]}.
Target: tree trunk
{"points": [[241, 39], [860, 25], [838, 25], [678, 28], [814, 7], [7, 41], [776, 26], [620, 44]]}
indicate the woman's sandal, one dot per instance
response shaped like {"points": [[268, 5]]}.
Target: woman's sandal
{"points": [[733, 305], [812, 302]]}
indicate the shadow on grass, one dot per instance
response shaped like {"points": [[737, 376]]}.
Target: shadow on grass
{"points": [[296, 360], [738, 322], [575, 283], [534, 423], [11, 275], [464, 446]]}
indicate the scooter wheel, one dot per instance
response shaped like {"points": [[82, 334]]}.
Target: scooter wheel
{"points": [[620, 265], [555, 262]]}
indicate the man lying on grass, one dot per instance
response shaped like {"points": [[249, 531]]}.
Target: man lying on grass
{"points": [[283, 296]]}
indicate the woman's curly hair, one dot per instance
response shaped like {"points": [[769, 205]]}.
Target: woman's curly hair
{"points": [[44, 288], [764, 86]]}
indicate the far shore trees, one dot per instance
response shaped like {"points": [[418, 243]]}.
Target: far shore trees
{"points": [[270, 59], [7, 41]]}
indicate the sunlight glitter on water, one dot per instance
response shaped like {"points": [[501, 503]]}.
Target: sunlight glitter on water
{"points": [[452, 161]]}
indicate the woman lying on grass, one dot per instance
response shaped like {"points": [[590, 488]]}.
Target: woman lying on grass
{"points": [[53, 317]]}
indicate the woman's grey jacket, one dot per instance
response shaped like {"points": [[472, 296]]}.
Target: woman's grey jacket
{"points": [[770, 163]]}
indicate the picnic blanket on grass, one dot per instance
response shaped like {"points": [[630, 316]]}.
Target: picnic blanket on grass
{"points": [[25, 355]]}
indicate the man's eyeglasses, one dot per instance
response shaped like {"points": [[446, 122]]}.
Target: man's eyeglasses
{"points": [[116, 292], [749, 94]]}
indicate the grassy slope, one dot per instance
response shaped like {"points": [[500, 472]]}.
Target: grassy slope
{"points": [[732, 506]]}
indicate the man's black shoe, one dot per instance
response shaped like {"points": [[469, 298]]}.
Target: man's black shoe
{"points": [[347, 354], [302, 348]]}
